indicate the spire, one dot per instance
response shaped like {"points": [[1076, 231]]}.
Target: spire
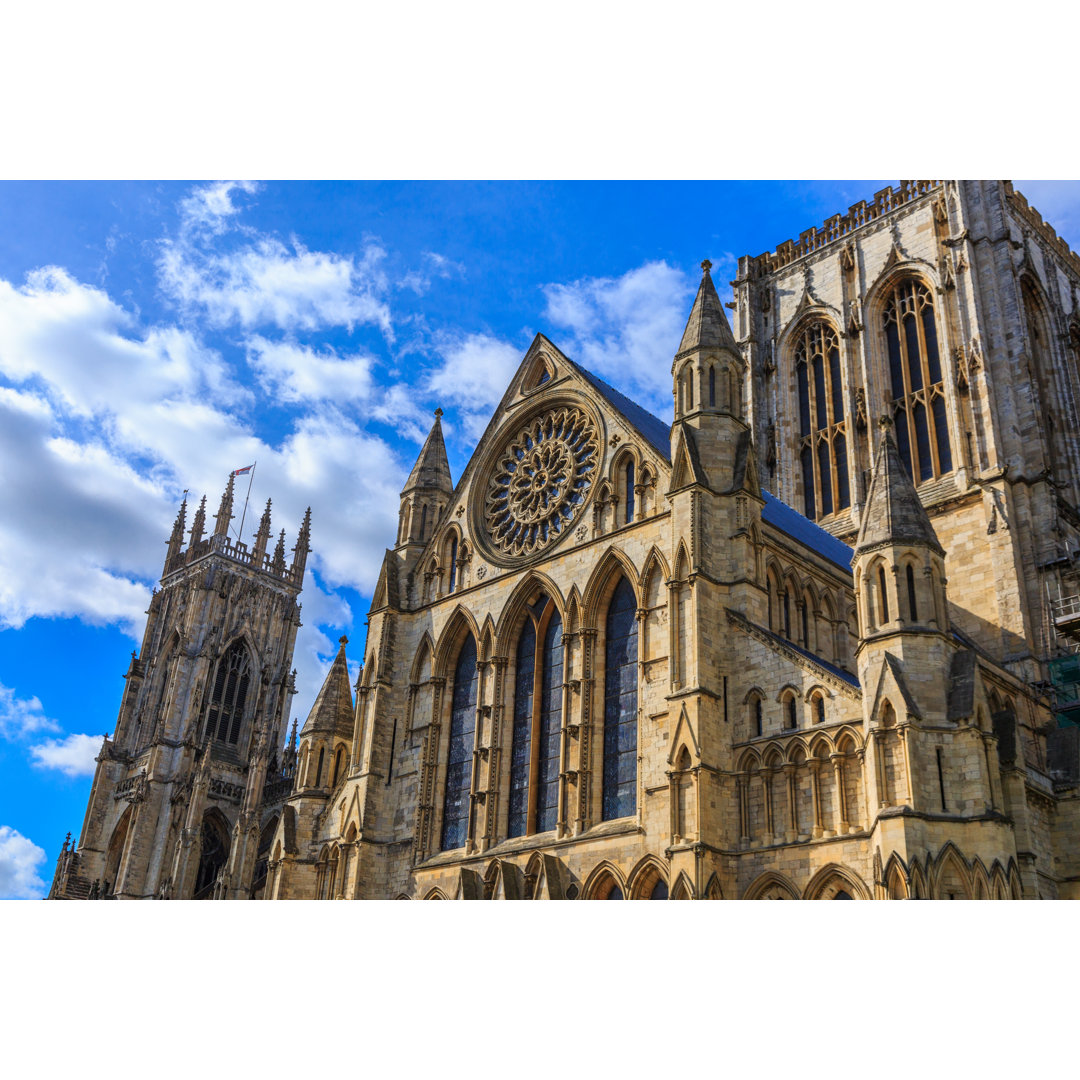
{"points": [[224, 514], [176, 539], [278, 563], [199, 524], [300, 552], [292, 738], [432, 470], [893, 513], [262, 538], [707, 327], [333, 708]]}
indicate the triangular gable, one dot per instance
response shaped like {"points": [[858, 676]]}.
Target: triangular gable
{"points": [[745, 473], [891, 684], [686, 463], [684, 733]]}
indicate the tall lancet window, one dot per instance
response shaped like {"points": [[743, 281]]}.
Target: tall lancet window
{"points": [[620, 705], [918, 395], [822, 430], [535, 755], [459, 760], [229, 695]]}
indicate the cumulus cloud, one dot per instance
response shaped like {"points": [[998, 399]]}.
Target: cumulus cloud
{"points": [[297, 373], [22, 716], [626, 329], [21, 862], [265, 282], [472, 374], [73, 756]]}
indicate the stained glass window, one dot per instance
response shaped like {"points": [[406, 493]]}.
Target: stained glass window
{"points": [[822, 452], [620, 705], [660, 891], [547, 778], [229, 695], [453, 564], [521, 741], [459, 761], [629, 492], [918, 395]]}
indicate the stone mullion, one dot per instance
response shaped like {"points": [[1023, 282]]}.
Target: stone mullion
{"points": [[476, 794], [429, 756], [563, 798], [490, 836], [585, 771]]}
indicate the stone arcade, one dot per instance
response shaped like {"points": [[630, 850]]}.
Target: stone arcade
{"points": [[612, 661]]}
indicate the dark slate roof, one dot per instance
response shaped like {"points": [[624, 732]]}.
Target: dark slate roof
{"points": [[652, 427], [775, 512], [806, 531], [832, 669]]}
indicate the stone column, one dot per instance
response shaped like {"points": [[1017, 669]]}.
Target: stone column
{"points": [[815, 798], [842, 825], [793, 813], [744, 823]]}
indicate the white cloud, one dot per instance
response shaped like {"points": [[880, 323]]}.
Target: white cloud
{"points": [[626, 329], [434, 265], [22, 716], [209, 207], [20, 867], [473, 375], [73, 756], [267, 283], [296, 373]]}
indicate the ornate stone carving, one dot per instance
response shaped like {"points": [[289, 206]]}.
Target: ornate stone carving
{"points": [[540, 482]]}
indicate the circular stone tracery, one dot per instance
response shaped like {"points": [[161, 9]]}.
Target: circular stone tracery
{"points": [[540, 482]]}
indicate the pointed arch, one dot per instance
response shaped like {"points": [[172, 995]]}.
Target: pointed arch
{"points": [[951, 875], [612, 565], [231, 691], [834, 879], [980, 880], [771, 886], [114, 853], [423, 659], [215, 842], [461, 737], [648, 879], [683, 888], [713, 891], [896, 878], [460, 624], [603, 882], [572, 618], [433, 894], [486, 642], [522, 596], [654, 563]]}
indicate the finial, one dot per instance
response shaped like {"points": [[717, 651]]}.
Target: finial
{"points": [[706, 265], [343, 641], [438, 413]]}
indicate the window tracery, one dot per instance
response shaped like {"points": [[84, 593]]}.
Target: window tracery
{"points": [[459, 758], [540, 482], [822, 426], [229, 695], [620, 705], [918, 395]]}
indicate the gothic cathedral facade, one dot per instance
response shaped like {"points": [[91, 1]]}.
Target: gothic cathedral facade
{"points": [[814, 639]]}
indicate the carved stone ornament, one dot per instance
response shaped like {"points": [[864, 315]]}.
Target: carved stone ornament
{"points": [[540, 482]]}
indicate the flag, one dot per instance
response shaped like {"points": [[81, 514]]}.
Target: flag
{"points": [[245, 469]]}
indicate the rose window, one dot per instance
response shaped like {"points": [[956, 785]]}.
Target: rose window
{"points": [[540, 482]]}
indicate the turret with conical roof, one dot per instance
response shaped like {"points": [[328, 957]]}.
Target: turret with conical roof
{"points": [[427, 490], [899, 562], [302, 549], [262, 538], [327, 733]]}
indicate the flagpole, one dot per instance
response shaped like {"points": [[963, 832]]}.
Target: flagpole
{"points": [[251, 477]]}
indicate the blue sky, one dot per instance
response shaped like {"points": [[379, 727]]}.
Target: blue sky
{"points": [[154, 336]]}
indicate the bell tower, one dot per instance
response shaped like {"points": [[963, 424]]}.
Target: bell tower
{"points": [[194, 775]]}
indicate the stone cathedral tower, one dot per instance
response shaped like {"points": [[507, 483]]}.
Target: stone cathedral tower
{"points": [[189, 788]]}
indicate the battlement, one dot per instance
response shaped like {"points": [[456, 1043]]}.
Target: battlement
{"points": [[238, 552], [1028, 213], [838, 227]]}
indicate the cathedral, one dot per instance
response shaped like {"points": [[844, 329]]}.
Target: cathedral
{"points": [[815, 639]]}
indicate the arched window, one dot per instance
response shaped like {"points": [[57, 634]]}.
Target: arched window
{"points": [[229, 695], [791, 712], [787, 613], [615, 894], [918, 396], [453, 564], [712, 394], [213, 855], [883, 597], [822, 431], [819, 709], [659, 890], [423, 521], [689, 387], [338, 758], [535, 756], [913, 607], [318, 771], [620, 705], [629, 503], [759, 722], [459, 760]]}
